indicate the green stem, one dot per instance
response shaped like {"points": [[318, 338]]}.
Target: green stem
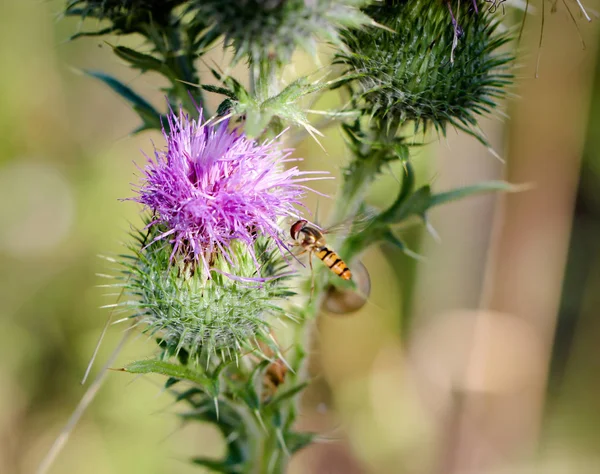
{"points": [[353, 191], [183, 67], [357, 179], [179, 59], [361, 173], [274, 460]]}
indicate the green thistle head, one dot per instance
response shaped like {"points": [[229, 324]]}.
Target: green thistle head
{"points": [[267, 30], [208, 276], [204, 312], [427, 68], [126, 16]]}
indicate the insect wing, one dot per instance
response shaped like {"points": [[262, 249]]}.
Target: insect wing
{"points": [[354, 224]]}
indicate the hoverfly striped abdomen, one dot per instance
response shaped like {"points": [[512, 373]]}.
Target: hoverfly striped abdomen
{"points": [[334, 262]]}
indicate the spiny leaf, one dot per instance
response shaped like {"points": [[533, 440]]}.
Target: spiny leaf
{"points": [[484, 187], [149, 115], [419, 202], [388, 236], [295, 440], [250, 395], [218, 466], [188, 394], [218, 90], [89, 34], [287, 394], [143, 62], [261, 109], [168, 369], [415, 204], [408, 180]]}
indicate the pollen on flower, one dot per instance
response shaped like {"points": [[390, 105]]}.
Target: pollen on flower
{"points": [[213, 185]]}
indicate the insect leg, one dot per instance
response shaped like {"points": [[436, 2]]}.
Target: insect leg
{"points": [[312, 276], [301, 253]]}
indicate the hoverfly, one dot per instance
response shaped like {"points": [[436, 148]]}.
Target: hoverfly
{"points": [[312, 241]]}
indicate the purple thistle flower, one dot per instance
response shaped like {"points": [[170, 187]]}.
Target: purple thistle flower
{"points": [[213, 185]]}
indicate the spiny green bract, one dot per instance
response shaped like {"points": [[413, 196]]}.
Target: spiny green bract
{"points": [[202, 314], [266, 30], [126, 16], [426, 70]]}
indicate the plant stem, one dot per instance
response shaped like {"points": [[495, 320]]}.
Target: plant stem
{"points": [[353, 191]]}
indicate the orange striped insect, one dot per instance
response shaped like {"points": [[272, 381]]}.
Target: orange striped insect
{"points": [[312, 241]]}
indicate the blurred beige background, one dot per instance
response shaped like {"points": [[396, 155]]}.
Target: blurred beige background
{"points": [[444, 370]]}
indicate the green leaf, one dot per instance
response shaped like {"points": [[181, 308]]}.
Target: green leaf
{"points": [[250, 395], [168, 369], [90, 34], [149, 118], [141, 61], [218, 466], [227, 422], [188, 394], [408, 178], [401, 150], [203, 41], [404, 207], [388, 236], [218, 90], [287, 394], [149, 115], [224, 107], [485, 187], [224, 363], [237, 89], [262, 110], [295, 440], [419, 202]]}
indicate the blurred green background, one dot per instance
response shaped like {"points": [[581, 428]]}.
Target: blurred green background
{"points": [[453, 364]]}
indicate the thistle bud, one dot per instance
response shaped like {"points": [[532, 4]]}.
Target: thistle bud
{"points": [[267, 30], [438, 63], [204, 312], [126, 16]]}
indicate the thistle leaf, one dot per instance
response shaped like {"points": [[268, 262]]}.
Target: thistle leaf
{"points": [[287, 395], [218, 466], [262, 110], [404, 207], [143, 62], [295, 440], [168, 369], [484, 187], [149, 115], [418, 203]]}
